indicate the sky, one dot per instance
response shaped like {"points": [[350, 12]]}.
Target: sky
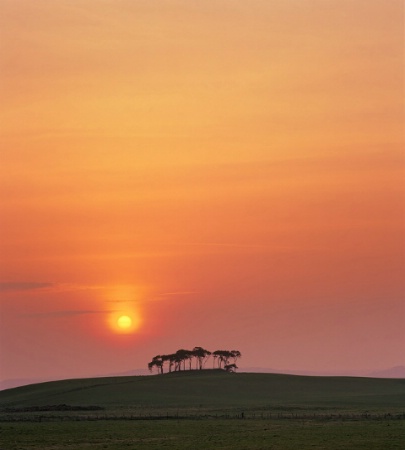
{"points": [[227, 174]]}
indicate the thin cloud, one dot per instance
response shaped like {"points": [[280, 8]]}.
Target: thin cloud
{"points": [[164, 296], [178, 293], [24, 286], [66, 313], [122, 301], [224, 244], [71, 287], [159, 297], [55, 287]]}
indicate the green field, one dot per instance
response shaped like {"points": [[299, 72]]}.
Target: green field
{"points": [[205, 409], [204, 434]]}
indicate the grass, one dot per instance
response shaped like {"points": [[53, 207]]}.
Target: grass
{"points": [[280, 412], [212, 389], [218, 434]]}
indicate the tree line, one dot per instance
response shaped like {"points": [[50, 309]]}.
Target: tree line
{"points": [[186, 359]]}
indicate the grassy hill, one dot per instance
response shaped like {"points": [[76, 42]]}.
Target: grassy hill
{"points": [[214, 389]]}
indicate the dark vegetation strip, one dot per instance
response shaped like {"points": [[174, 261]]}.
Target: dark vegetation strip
{"points": [[240, 416], [62, 407]]}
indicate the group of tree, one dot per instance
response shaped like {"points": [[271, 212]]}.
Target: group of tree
{"points": [[186, 359]]}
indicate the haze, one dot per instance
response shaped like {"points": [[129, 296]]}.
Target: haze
{"points": [[227, 174]]}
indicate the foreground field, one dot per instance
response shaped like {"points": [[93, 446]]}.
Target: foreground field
{"points": [[204, 434], [204, 410]]}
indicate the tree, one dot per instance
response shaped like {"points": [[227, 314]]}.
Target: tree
{"points": [[215, 357], [222, 357], [157, 361], [201, 355], [182, 356], [166, 358], [230, 367], [235, 354], [177, 361], [171, 358], [189, 355]]}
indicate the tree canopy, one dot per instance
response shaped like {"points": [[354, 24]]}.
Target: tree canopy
{"points": [[185, 360]]}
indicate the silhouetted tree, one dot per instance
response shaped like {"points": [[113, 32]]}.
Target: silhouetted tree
{"points": [[165, 359], [235, 355], [177, 361], [157, 361], [230, 367], [182, 356], [222, 357], [171, 358], [201, 355], [215, 357], [189, 355]]}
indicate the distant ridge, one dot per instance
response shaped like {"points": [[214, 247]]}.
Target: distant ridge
{"points": [[394, 372], [9, 384], [17, 382]]}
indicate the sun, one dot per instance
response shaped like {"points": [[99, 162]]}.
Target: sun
{"points": [[124, 322], [127, 318]]}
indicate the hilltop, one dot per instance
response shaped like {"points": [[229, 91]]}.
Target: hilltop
{"points": [[214, 389]]}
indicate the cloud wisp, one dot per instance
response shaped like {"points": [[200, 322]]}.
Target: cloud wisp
{"points": [[24, 286], [67, 313]]}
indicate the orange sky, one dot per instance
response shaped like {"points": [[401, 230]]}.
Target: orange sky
{"points": [[231, 173]]}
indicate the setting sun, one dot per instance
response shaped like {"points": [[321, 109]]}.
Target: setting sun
{"points": [[124, 322]]}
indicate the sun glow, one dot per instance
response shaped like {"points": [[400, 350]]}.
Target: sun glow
{"points": [[124, 322], [126, 319]]}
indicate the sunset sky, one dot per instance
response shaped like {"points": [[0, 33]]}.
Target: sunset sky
{"points": [[226, 173]]}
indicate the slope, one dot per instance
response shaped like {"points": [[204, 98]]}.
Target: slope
{"points": [[214, 389]]}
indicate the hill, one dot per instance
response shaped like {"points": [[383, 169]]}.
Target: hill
{"points": [[214, 389]]}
